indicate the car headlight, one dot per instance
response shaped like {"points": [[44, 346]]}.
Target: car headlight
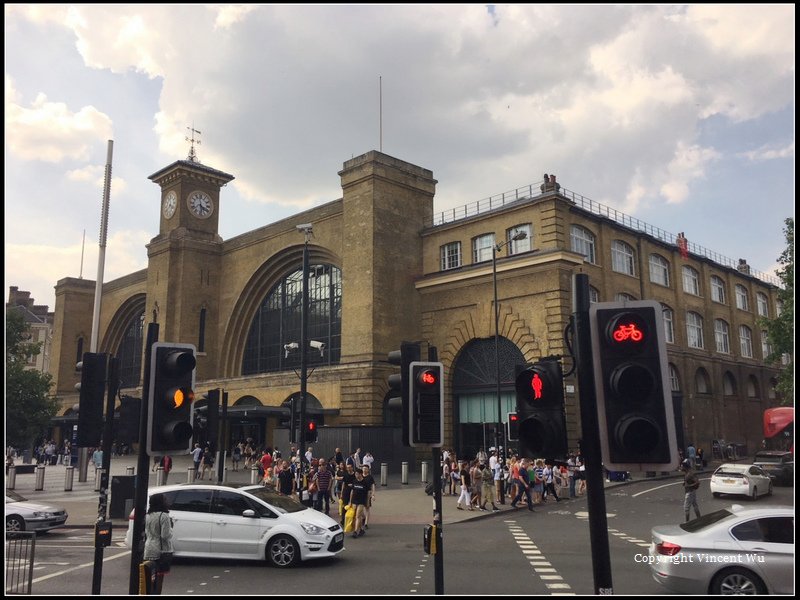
{"points": [[43, 515], [312, 529]]}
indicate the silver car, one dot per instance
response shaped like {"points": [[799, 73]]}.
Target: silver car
{"points": [[731, 551], [744, 480], [24, 515]]}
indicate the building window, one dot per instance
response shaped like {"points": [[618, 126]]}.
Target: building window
{"points": [[278, 321], [752, 387], [694, 330], [721, 336], [746, 341], [763, 305], [741, 298], [766, 347], [594, 295], [523, 245], [728, 384], [450, 256], [659, 270], [622, 258], [582, 242], [691, 281], [201, 338], [669, 324], [130, 353], [623, 297], [482, 248], [717, 289], [702, 382], [674, 380]]}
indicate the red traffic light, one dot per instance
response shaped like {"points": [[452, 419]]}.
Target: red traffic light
{"points": [[627, 330], [428, 378], [312, 426], [513, 417], [538, 385]]}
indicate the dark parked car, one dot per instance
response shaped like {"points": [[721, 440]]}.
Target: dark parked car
{"points": [[778, 464]]}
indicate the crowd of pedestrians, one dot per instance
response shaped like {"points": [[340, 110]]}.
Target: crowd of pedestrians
{"points": [[489, 480]]}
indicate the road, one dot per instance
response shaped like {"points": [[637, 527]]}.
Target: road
{"points": [[546, 552]]}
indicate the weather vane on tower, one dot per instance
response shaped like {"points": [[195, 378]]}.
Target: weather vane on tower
{"points": [[192, 154]]}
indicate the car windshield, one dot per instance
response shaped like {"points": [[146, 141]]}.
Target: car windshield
{"points": [[760, 458], [706, 520], [12, 496], [283, 504], [731, 470]]}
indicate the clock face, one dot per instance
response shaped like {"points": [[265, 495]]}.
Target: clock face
{"points": [[170, 204], [200, 205]]}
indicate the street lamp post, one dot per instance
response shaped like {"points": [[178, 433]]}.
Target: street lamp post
{"points": [[499, 434]]}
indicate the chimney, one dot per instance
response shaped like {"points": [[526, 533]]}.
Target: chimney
{"points": [[549, 184]]}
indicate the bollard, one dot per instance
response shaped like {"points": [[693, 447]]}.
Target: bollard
{"points": [[225, 475], [404, 473], [160, 476], [384, 473], [98, 478], [424, 478], [12, 477], [39, 478], [69, 477], [254, 478], [128, 470], [190, 475]]}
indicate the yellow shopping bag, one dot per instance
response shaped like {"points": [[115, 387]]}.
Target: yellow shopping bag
{"points": [[350, 519]]}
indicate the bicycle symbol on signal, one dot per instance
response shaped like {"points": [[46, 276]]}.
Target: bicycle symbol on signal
{"points": [[625, 332]]}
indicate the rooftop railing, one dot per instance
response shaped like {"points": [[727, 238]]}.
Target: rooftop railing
{"points": [[530, 191]]}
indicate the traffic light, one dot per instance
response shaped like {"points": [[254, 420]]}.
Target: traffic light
{"points": [[92, 388], [634, 400], [311, 432], [540, 408], [130, 410], [170, 415], [426, 403], [513, 427], [399, 386]]}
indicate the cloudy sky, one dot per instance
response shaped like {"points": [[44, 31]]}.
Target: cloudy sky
{"points": [[682, 116]]}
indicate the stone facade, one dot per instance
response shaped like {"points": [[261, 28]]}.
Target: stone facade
{"points": [[383, 236]]}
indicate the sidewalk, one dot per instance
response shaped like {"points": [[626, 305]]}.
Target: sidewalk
{"points": [[395, 503]]}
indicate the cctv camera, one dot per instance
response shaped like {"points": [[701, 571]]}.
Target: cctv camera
{"points": [[307, 227], [290, 347], [318, 346]]}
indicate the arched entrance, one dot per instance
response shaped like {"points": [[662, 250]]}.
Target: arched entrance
{"points": [[475, 392]]}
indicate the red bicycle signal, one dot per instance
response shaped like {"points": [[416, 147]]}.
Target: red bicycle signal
{"points": [[628, 332]]}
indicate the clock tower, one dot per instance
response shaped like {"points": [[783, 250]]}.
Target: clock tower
{"points": [[184, 259]]}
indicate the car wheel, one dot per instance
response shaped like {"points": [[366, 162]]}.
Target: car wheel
{"points": [[283, 552], [754, 495], [737, 581], [15, 523]]}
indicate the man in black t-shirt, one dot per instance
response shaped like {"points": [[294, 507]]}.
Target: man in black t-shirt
{"points": [[285, 479], [358, 498], [369, 480], [347, 487]]}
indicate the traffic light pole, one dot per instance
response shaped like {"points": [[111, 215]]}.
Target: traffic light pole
{"points": [[595, 487], [142, 468], [303, 353]]}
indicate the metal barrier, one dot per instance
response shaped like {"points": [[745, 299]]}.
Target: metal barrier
{"points": [[254, 476], [69, 478], [190, 475], [160, 478], [20, 550], [12, 477], [404, 473], [129, 470], [384, 473], [39, 478], [424, 477]]}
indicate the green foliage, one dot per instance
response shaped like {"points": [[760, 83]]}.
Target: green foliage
{"points": [[29, 407], [780, 330]]}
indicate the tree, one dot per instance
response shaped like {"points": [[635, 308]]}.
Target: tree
{"points": [[29, 406], [780, 330]]}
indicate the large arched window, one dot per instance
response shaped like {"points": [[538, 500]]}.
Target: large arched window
{"points": [[130, 352], [277, 322]]}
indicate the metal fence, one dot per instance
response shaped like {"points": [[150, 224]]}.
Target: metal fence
{"points": [[20, 548]]}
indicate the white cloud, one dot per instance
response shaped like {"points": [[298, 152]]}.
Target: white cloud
{"points": [[769, 152], [49, 131], [688, 164]]}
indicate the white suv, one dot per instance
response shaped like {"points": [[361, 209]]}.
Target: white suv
{"points": [[245, 522]]}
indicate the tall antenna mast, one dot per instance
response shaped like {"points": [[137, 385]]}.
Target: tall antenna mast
{"points": [[192, 154], [83, 246]]}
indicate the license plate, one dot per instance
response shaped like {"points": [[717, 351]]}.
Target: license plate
{"points": [[339, 537], [728, 481]]}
